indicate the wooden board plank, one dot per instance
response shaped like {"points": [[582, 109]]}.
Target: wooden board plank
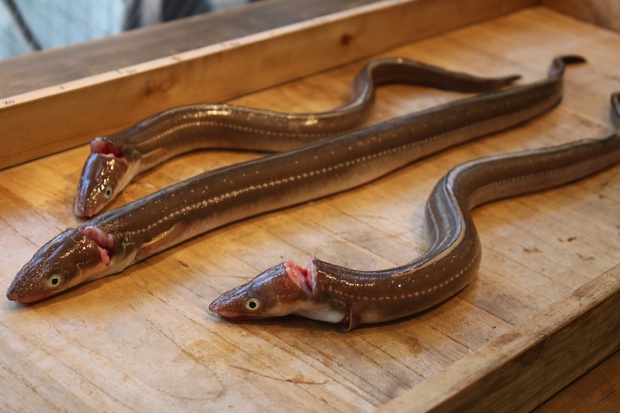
{"points": [[603, 13], [598, 391], [68, 114], [60, 65], [143, 341], [519, 370]]}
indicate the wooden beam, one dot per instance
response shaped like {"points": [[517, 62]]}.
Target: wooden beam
{"points": [[59, 117], [54, 66], [604, 13], [596, 391]]}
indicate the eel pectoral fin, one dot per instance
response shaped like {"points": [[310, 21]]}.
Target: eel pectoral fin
{"points": [[161, 241], [350, 321]]}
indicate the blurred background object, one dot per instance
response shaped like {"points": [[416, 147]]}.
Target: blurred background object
{"points": [[30, 25]]}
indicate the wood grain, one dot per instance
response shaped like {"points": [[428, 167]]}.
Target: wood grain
{"points": [[596, 392], [56, 66], [517, 371], [604, 13], [65, 115], [142, 340]]}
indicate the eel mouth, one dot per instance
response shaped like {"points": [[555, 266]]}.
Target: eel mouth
{"points": [[13, 295], [103, 241]]}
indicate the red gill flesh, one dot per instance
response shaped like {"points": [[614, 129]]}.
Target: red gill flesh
{"points": [[103, 240], [103, 147], [304, 277]]}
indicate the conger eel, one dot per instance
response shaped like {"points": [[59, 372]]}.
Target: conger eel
{"points": [[336, 294], [116, 159], [118, 238]]}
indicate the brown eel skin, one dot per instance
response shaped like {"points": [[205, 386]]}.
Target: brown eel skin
{"points": [[111, 242], [336, 294], [116, 159]]}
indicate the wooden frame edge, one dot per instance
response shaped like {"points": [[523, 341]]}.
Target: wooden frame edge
{"points": [[521, 369], [49, 120]]}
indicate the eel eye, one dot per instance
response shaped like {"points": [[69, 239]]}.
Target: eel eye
{"points": [[54, 280], [107, 192], [252, 304]]}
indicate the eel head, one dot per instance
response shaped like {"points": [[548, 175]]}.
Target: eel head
{"points": [[71, 258], [281, 290], [105, 174]]}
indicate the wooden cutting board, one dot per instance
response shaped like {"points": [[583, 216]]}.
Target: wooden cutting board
{"points": [[143, 340]]}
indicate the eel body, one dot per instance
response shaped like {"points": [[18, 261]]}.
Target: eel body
{"points": [[116, 159], [336, 294], [114, 240]]}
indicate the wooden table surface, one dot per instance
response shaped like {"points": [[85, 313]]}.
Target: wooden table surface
{"points": [[143, 340]]}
